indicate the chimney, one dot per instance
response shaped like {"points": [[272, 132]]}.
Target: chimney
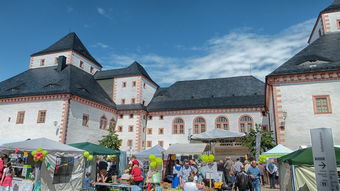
{"points": [[61, 63]]}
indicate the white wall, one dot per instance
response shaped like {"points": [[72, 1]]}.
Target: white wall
{"points": [[30, 128], [297, 101], [76, 132], [125, 135], [49, 59], [76, 58], [148, 91], [333, 17], [128, 92], [166, 123]]}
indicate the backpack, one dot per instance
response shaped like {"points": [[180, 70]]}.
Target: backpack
{"points": [[242, 180], [271, 167]]}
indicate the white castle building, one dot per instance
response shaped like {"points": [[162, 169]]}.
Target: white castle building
{"points": [[66, 96]]}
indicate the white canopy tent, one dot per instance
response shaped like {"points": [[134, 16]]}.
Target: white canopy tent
{"points": [[155, 150], [69, 159], [187, 149], [216, 134]]}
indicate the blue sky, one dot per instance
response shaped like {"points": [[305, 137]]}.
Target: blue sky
{"points": [[174, 40]]}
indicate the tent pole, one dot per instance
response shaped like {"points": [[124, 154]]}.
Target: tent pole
{"points": [[293, 179]]}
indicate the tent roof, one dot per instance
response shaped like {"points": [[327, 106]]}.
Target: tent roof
{"points": [[279, 149], [156, 150], [305, 156], [94, 149], [216, 134], [191, 148], [46, 144]]}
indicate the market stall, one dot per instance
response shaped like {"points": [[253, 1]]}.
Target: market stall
{"points": [[187, 148], [297, 170], [274, 153], [52, 165]]}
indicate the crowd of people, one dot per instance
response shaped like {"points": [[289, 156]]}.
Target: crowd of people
{"points": [[248, 176]]}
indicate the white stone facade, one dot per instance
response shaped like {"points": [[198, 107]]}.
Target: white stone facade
{"points": [[30, 128]]}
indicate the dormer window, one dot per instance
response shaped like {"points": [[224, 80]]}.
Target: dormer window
{"points": [[81, 64], [338, 24], [134, 84], [42, 62], [124, 84], [91, 70], [56, 60], [123, 101]]}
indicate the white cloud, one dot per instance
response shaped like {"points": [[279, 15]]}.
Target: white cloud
{"points": [[234, 54], [101, 11], [69, 9], [100, 45]]}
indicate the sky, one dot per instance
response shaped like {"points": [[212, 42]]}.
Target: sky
{"points": [[173, 39]]}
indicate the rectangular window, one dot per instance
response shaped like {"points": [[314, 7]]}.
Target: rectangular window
{"points": [[41, 116], [81, 64], [149, 131], [91, 70], [42, 62], [120, 129], [134, 84], [56, 60], [150, 117], [123, 101], [143, 143], [121, 116], [144, 85], [242, 128], [130, 128], [161, 117], [181, 129], [124, 84], [143, 103], [149, 143], [338, 24], [85, 120], [20, 117], [129, 143], [160, 143], [175, 130], [133, 100], [161, 131], [322, 104], [131, 115]]}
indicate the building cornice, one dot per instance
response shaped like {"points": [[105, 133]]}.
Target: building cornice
{"points": [[208, 111]]}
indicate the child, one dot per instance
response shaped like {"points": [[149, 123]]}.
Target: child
{"points": [[7, 177], [136, 175], [87, 182]]}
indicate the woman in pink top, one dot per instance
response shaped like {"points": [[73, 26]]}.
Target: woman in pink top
{"points": [[1, 166], [7, 177]]}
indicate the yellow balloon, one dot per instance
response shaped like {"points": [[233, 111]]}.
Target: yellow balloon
{"points": [[90, 157]]}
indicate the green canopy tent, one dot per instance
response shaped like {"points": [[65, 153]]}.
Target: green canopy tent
{"points": [[297, 170], [95, 149]]}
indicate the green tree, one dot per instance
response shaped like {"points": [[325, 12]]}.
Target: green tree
{"points": [[267, 140], [111, 140]]}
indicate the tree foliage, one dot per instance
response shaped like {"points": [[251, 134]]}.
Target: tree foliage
{"points": [[267, 140], [111, 140]]}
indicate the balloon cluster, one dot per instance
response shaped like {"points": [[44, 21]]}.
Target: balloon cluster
{"points": [[208, 158], [39, 154], [111, 157], [155, 162], [88, 156]]}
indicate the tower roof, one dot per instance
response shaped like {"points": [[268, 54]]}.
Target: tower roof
{"points": [[134, 69], [334, 6], [69, 42]]}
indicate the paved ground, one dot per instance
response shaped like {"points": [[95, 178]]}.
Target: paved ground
{"points": [[266, 188]]}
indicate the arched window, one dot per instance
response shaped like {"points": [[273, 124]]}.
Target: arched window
{"points": [[222, 123], [199, 125], [103, 122], [178, 126], [113, 123], [246, 123]]}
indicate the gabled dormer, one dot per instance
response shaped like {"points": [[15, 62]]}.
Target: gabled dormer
{"points": [[328, 21], [72, 48]]}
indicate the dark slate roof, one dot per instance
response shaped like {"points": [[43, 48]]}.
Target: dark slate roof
{"points": [[134, 69], [321, 55], [334, 6], [69, 42], [48, 81], [234, 92], [131, 107]]}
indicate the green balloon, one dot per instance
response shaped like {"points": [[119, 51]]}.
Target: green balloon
{"points": [[39, 149], [90, 157], [44, 152], [159, 161], [153, 165], [86, 154], [152, 157], [33, 153], [211, 158], [205, 158]]}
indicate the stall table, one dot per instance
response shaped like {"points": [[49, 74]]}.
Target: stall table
{"points": [[120, 186]]}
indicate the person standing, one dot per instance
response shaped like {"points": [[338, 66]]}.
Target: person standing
{"points": [[228, 169], [237, 165], [262, 171], [7, 177], [185, 171], [254, 173], [1, 166], [242, 181], [136, 175], [272, 169], [176, 173]]}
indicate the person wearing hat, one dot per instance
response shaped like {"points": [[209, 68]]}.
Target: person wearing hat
{"points": [[136, 174]]}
